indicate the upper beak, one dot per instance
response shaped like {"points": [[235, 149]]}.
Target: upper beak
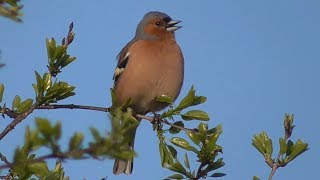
{"points": [[171, 25]]}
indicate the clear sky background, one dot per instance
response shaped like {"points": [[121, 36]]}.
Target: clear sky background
{"points": [[254, 60]]}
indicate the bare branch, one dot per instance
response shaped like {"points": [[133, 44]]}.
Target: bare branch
{"points": [[17, 120], [73, 106], [4, 159], [103, 109], [276, 165], [51, 156], [164, 121]]}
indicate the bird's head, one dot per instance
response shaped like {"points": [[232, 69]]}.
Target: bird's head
{"points": [[157, 25]]}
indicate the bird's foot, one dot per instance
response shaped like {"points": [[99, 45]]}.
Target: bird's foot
{"points": [[157, 125]]}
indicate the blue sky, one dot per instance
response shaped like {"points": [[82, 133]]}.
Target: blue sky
{"points": [[254, 60]]}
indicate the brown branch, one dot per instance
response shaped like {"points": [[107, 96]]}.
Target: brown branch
{"points": [[51, 156], [200, 172], [276, 165], [164, 121], [73, 106], [9, 112], [17, 120], [103, 109], [4, 159]]}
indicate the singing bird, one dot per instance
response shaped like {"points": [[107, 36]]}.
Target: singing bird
{"points": [[150, 65]]}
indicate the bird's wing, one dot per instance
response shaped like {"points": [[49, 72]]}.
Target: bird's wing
{"points": [[123, 58]]}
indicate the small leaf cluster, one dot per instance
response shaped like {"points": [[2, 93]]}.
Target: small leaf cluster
{"points": [[58, 57], [288, 149], [116, 144], [51, 92], [191, 99], [205, 149], [47, 88], [18, 106], [41, 171], [25, 163], [11, 9], [204, 140]]}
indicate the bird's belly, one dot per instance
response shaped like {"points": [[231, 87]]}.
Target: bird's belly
{"points": [[154, 83]]}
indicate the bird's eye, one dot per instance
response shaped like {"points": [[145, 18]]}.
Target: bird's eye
{"points": [[158, 23]]}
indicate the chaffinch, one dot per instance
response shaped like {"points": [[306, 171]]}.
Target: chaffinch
{"points": [[150, 65]]}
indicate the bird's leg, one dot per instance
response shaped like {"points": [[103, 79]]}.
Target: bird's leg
{"points": [[157, 125]]}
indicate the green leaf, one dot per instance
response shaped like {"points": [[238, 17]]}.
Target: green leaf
{"points": [[58, 53], [177, 167], [40, 169], [218, 174], [290, 145], [56, 131], [1, 91], [163, 159], [182, 143], [203, 128], [39, 84], [299, 148], [76, 141], [44, 127], [188, 100], [263, 144], [95, 133], [167, 153], [68, 61], [51, 46], [256, 178], [25, 105], [113, 97], [186, 161], [199, 100], [216, 129], [16, 102], [174, 130], [32, 140], [173, 151], [12, 2], [212, 141], [47, 81], [175, 176], [35, 87], [56, 174], [218, 164], [283, 146], [130, 120], [195, 137], [196, 114], [20, 155], [164, 99], [65, 95]]}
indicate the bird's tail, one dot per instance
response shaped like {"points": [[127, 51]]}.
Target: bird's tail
{"points": [[125, 166]]}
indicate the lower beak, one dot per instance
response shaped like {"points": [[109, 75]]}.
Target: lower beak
{"points": [[171, 25]]}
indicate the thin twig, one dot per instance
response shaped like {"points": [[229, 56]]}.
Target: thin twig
{"points": [[199, 172], [164, 121], [276, 165], [73, 106], [103, 109], [17, 120], [51, 156], [4, 159], [9, 112], [273, 170]]}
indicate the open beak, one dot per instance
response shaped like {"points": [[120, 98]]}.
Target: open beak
{"points": [[171, 25]]}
